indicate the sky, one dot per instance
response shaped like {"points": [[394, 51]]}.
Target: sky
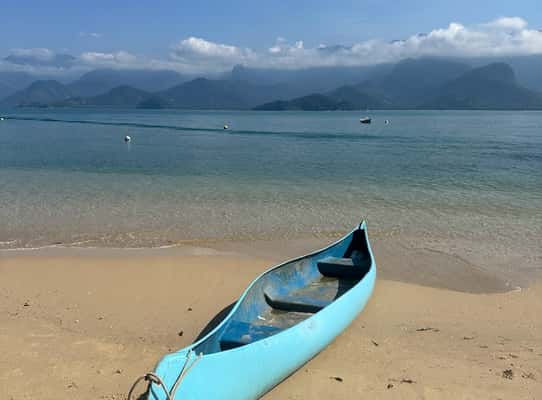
{"points": [[194, 36]]}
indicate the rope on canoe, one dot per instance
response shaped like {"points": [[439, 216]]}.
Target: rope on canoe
{"points": [[151, 378]]}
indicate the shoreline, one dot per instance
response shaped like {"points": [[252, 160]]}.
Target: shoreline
{"points": [[86, 324], [397, 260]]}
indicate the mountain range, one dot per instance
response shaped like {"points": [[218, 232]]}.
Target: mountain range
{"points": [[432, 83], [12, 81], [199, 93], [91, 83]]}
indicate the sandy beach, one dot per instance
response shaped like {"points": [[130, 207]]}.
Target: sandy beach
{"points": [[84, 323]]}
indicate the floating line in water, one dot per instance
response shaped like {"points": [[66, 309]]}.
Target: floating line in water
{"points": [[129, 124], [230, 131]]}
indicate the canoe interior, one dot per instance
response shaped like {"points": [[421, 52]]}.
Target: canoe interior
{"points": [[291, 293]]}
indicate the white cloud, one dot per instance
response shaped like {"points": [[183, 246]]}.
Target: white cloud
{"points": [[41, 54], [39, 58], [197, 54], [204, 48], [46, 62], [94, 35], [117, 59], [506, 36], [514, 23]]}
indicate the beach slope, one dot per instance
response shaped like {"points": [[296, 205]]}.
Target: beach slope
{"points": [[84, 323]]}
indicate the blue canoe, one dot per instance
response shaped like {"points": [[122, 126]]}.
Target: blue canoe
{"points": [[284, 318]]}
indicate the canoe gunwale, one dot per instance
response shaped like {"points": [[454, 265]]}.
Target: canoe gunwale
{"points": [[362, 226]]}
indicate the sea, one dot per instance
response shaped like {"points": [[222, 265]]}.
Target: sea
{"points": [[463, 182]]}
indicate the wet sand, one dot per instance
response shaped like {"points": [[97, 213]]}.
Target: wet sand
{"points": [[84, 323]]}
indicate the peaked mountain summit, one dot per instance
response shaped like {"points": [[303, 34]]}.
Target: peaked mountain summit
{"points": [[493, 86], [39, 93]]}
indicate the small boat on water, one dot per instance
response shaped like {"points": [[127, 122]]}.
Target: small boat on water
{"points": [[283, 319], [365, 120]]}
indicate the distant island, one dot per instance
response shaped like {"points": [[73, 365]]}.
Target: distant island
{"points": [[425, 83]]}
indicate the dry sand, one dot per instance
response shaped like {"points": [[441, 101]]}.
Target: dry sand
{"points": [[84, 323]]}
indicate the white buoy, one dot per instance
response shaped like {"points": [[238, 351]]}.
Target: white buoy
{"points": [[387, 121], [1, 118], [226, 126], [127, 138]]}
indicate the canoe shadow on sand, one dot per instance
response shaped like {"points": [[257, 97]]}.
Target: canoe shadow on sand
{"points": [[215, 321]]}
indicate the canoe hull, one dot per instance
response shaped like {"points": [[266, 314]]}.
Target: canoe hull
{"points": [[249, 371]]}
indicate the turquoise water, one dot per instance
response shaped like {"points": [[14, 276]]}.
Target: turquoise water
{"points": [[443, 179]]}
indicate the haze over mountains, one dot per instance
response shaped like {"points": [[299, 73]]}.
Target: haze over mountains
{"points": [[432, 83], [428, 84]]}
